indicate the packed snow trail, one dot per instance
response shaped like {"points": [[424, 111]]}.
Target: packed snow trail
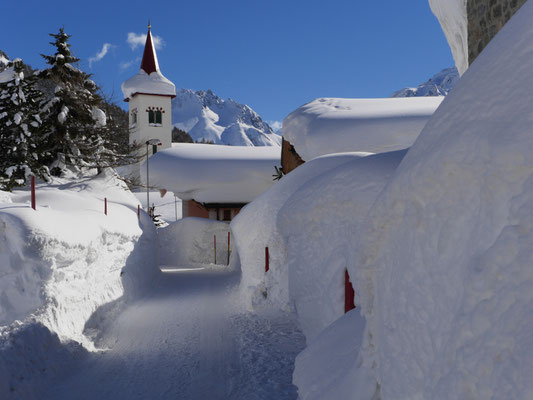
{"points": [[189, 339]]}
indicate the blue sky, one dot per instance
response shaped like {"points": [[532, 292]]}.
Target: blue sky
{"points": [[272, 55]]}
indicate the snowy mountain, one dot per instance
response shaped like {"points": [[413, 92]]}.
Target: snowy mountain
{"points": [[205, 116], [439, 85]]}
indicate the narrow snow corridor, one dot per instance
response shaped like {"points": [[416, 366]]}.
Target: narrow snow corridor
{"points": [[189, 339]]}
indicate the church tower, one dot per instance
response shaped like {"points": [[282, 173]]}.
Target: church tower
{"points": [[149, 96]]}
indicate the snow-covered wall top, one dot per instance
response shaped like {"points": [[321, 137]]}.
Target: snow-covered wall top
{"points": [[205, 116], [439, 85], [453, 19], [328, 125], [155, 83], [214, 174], [447, 247]]}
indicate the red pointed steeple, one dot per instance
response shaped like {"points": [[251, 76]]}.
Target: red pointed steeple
{"points": [[149, 62]]}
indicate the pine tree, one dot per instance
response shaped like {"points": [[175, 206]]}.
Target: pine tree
{"points": [[74, 126], [20, 123], [180, 136]]}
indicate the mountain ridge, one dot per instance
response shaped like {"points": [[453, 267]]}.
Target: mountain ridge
{"points": [[205, 116]]}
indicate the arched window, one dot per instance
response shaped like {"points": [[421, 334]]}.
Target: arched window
{"points": [[151, 117], [158, 117]]}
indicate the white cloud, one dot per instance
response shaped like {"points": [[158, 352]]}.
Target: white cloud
{"points": [[139, 39], [127, 64], [275, 125], [101, 54]]}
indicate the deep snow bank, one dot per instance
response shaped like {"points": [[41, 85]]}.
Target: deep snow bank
{"points": [[453, 20], [329, 367], [308, 221], [319, 224], [191, 241], [62, 261], [327, 125], [60, 266], [255, 228], [443, 268]]}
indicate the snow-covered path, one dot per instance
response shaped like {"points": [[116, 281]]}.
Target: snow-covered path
{"points": [[189, 339]]}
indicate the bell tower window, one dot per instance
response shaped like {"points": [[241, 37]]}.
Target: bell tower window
{"points": [[155, 115]]}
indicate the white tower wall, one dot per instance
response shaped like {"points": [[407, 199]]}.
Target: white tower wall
{"points": [[142, 130]]}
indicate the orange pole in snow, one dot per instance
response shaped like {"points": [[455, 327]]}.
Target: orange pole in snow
{"points": [[215, 242], [33, 205], [228, 246], [267, 260], [349, 293], [105, 205]]}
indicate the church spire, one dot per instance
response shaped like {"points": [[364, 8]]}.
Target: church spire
{"points": [[149, 62]]}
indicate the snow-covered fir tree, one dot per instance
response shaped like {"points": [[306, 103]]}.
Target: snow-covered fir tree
{"points": [[20, 123], [75, 126]]}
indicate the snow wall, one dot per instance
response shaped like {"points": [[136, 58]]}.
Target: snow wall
{"points": [[255, 228], [454, 22], [443, 264], [191, 241], [63, 267], [308, 220]]}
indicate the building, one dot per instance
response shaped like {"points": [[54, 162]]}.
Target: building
{"points": [[332, 125], [149, 95], [214, 181]]}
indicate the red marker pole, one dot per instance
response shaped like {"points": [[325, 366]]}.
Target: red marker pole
{"points": [[228, 247], [105, 205], [349, 293], [33, 203], [215, 242], [267, 260], [138, 211]]}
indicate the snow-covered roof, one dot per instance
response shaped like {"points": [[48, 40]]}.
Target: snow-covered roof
{"points": [[331, 125], [149, 80], [213, 174]]}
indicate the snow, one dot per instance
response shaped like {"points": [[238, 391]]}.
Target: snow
{"points": [[213, 173], [169, 207], [3, 61], [328, 125], [99, 116], [308, 220], [154, 83], [205, 116], [188, 338], [59, 265], [255, 228], [62, 116], [453, 20], [329, 368], [190, 241], [319, 223], [439, 85], [104, 323], [443, 265], [7, 75]]}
